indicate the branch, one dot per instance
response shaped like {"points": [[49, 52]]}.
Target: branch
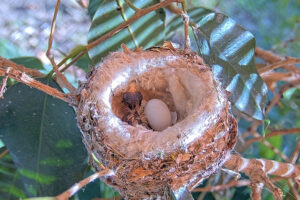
{"points": [[139, 13], [267, 56], [4, 81], [77, 186], [256, 190], [61, 79], [275, 133], [31, 72], [258, 169], [3, 153], [286, 61], [24, 78], [295, 154], [50, 41], [233, 183]]}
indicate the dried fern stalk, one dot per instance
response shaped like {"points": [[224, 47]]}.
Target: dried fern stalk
{"points": [[147, 162]]}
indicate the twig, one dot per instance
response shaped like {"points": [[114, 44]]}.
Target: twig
{"points": [[256, 189], [268, 56], [295, 154], [277, 97], [286, 61], [131, 5], [257, 170], [125, 19], [77, 186], [233, 183], [139, 13], [268, 144], [31, 72], [24, 78], [275, 133], [3, 153], [50, 41], [61, 79], [4, 81], [186, 20], [136, 16], [293, 188]]}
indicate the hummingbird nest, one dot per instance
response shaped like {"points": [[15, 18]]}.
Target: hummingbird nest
{"points": [[117, 133]]}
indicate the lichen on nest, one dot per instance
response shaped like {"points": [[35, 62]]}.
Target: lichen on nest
{"points": [[147, 162]]}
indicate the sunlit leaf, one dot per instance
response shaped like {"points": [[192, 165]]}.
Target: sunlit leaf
{"points": [[147, 31], [266, 152], [42, 137], [8, 50], [93, 6], [229, 50], [10, 183]]}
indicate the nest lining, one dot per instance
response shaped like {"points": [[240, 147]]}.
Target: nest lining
{"points": [[146, 161]]}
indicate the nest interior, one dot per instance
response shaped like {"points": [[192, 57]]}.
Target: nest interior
{"points": [[147, 162]]}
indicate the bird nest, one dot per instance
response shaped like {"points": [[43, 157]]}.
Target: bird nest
{"points": [[148, 162]]}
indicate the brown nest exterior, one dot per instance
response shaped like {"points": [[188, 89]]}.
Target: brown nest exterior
{"points": [[146, 162]]}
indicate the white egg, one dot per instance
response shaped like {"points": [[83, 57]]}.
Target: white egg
{"points": [[158, 114]]}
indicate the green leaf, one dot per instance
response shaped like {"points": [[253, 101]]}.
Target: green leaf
{"points": [[93, 6], [10, 183], [266, 152], [266, 126], [8, 49], [147, 31], [85, 62], [29, 62], [229, 49], [42, 137]]}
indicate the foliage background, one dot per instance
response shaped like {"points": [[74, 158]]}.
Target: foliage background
{"points": [[275, 24]]}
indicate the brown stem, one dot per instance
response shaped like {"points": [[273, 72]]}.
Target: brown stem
{"points": [[139, 13], [268, 56], [61, 79], [286, 61], [233, 183], [3, 153], [256, 189], [275, 133], [77, 186], [186, 21], [50, 41], [31, 72], [293, 189], [24, 78], [295, 154], [136, 16], [4, 81], [257, 170]]}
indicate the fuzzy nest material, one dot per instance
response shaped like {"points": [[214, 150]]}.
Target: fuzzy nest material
{"points": [[146, 162]]}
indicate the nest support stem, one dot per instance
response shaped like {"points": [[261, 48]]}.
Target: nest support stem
{"points": [[258, 170], [12, 72], [77, 186]]}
